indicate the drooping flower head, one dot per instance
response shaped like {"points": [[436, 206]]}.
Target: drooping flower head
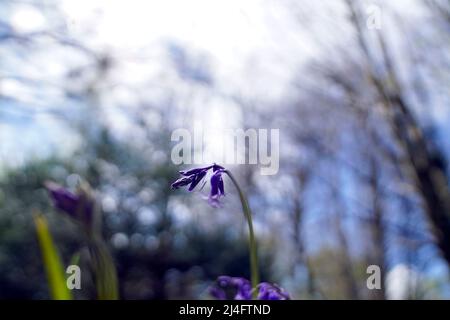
{"points": [[236, 288], [194, 176], [79, 206]]}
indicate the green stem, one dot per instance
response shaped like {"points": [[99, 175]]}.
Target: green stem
{"points": [[105, 270], [252, 241]]}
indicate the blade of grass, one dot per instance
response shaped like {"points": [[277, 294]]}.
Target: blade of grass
{"points": [[56, 276], [105, 270]]}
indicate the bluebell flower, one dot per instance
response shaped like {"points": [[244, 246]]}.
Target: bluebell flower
{"points": [[231, 288], [237, 288], [194, 177], [79, 206], [268, 291]]}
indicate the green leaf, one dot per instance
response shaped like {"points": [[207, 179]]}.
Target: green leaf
{"points": [[105, 270], [56, 276]]}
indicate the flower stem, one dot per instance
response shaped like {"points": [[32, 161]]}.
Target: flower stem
{"points": [[105, 270], [252, 241]]}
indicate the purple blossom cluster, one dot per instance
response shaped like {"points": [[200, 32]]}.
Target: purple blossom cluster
{"points": [[237, 288]]}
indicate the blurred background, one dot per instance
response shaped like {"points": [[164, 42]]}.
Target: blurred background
{"points": [[359, 90]]}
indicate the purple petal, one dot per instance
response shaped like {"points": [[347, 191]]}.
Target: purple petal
{"points": [[217, 189], [231, 288], [217, 293], [217, 184], [197, 178], [221, 187], [214, 202], [183, 181], [63, 199], [78, 206], [267, 291], [195, 171]]}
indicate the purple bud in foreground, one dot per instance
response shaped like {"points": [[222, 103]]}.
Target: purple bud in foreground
{"points": [[79, 206], [63, 199]]}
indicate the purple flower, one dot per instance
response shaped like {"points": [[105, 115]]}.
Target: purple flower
{"points": [[268, 291], [217, 188], [231, 288], [79, 206], [194, 176], [236, 288]]}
